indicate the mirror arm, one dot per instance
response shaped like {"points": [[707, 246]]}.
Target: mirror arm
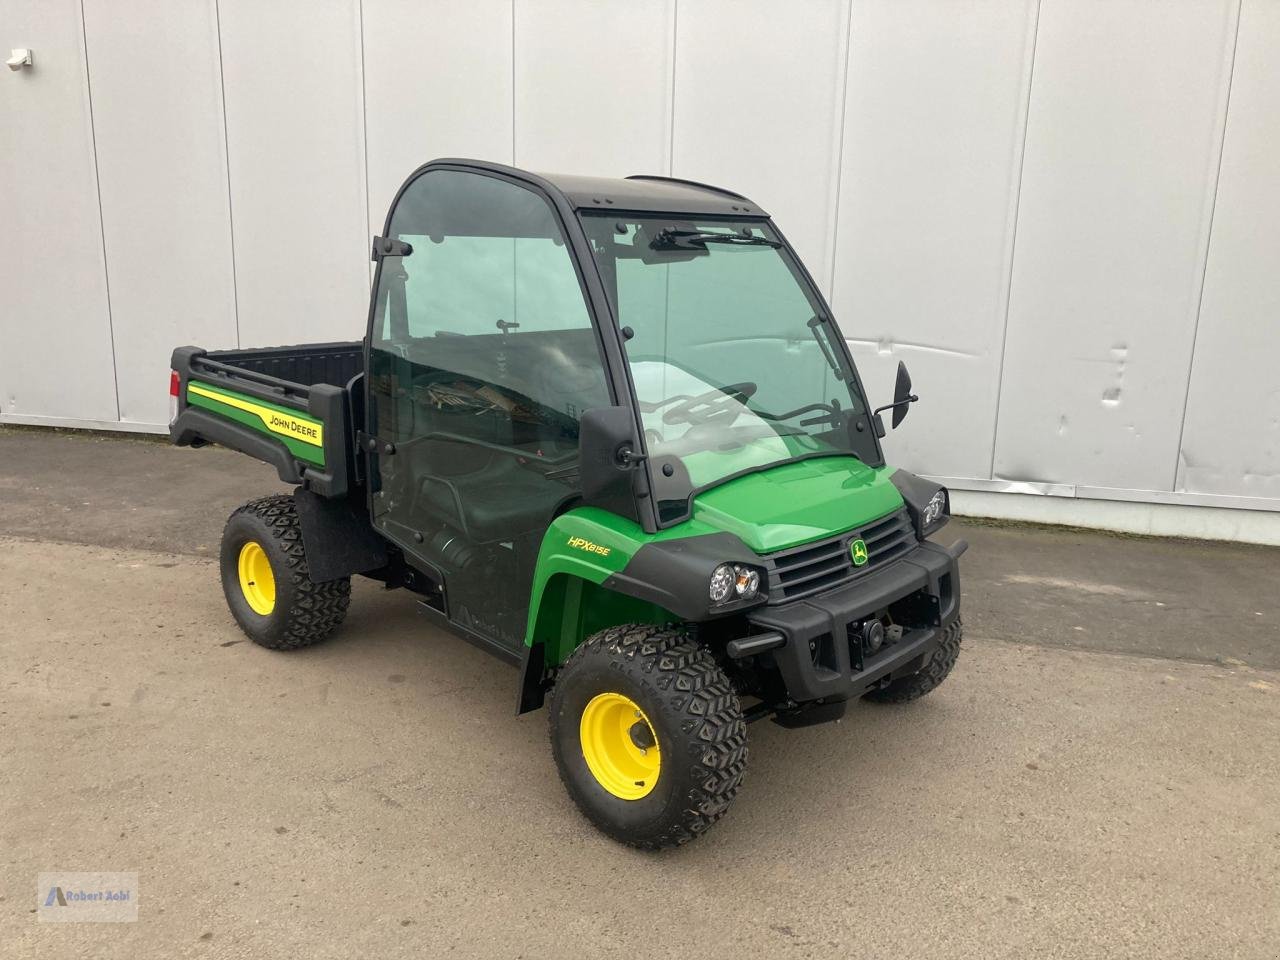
{"points": [[629, 458], [911, 398]]}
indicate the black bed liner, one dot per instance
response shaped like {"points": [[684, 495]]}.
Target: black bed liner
{"points": [[303, 364]]}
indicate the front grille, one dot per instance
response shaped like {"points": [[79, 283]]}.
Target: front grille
{"points": [[814, 567]]}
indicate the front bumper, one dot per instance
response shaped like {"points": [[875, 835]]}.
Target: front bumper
{"points": [[821, 656]]}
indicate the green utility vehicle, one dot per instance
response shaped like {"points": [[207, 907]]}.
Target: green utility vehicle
{"points": [[609, 431]]}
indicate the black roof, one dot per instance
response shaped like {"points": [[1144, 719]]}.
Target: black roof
{"points": [[650, 194], [639, 193]]}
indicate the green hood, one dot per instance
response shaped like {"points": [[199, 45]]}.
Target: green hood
{"points": [[798, 502]]}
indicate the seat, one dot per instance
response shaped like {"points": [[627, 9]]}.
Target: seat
{"points": [[500, 502]]}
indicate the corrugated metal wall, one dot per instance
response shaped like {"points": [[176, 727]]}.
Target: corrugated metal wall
{"points": [[1064, 215]]}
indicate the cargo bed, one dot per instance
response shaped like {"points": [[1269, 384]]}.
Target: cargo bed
{"points": [[292, 407]]}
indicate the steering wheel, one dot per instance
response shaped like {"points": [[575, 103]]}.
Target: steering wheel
{"points": [[721, 405]]}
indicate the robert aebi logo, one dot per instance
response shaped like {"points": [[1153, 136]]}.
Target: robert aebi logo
{"points": [[62, 898], [90, 897]]}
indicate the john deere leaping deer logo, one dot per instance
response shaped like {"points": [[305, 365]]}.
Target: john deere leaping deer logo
{"points": [[858, 550]]}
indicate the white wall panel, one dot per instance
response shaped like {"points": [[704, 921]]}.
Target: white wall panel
{"points": [[1061, 213], [1231, 441], [437, 84], [593, 86], [157, 110], [758, 90], [53, 296], [1127, 103], [295, 143], [933, 128]]}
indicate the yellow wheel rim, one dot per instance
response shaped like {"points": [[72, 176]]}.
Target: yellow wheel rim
{"points": [[620, 746], [257, 582]]}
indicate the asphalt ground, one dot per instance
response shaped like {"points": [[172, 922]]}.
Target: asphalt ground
{"points": [[1099, 777]]}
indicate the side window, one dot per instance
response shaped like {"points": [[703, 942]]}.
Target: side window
{"points": [[468, 285], [488, 257], [489, 298]]}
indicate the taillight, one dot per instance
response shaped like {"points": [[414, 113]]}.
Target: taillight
{"points": [[174, 384]]}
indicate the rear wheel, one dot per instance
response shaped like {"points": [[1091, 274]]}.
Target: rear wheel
{"points": [[915, 686], [648, 735], [265, 578]]}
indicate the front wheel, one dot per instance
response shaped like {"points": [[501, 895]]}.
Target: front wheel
{"points": [[648, 735], [265, 578]]}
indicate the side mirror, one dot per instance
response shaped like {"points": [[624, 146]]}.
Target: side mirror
{"points": [[902, 400], [901, 395], [608, 458]]}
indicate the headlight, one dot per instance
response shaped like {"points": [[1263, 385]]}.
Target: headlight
{"points": [[935, 509], [733, 581], [722, 580], [928, 503]]}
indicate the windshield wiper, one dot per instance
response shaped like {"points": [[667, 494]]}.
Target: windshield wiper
{"points": [[668, 239]]}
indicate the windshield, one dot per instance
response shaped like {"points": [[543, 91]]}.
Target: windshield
{"points": [[735, 365]]}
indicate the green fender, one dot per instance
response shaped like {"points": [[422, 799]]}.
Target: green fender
{"points": [[581, 549], [769, 510]]}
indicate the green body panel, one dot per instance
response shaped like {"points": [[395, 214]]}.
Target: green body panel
{"points": [[572, 609], [301, 450], [771, 510], [798, 502], [580, 550]]}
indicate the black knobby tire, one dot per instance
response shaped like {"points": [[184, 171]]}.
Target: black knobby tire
{"points": [[304, 612], [695, 716], [915, 686]]}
